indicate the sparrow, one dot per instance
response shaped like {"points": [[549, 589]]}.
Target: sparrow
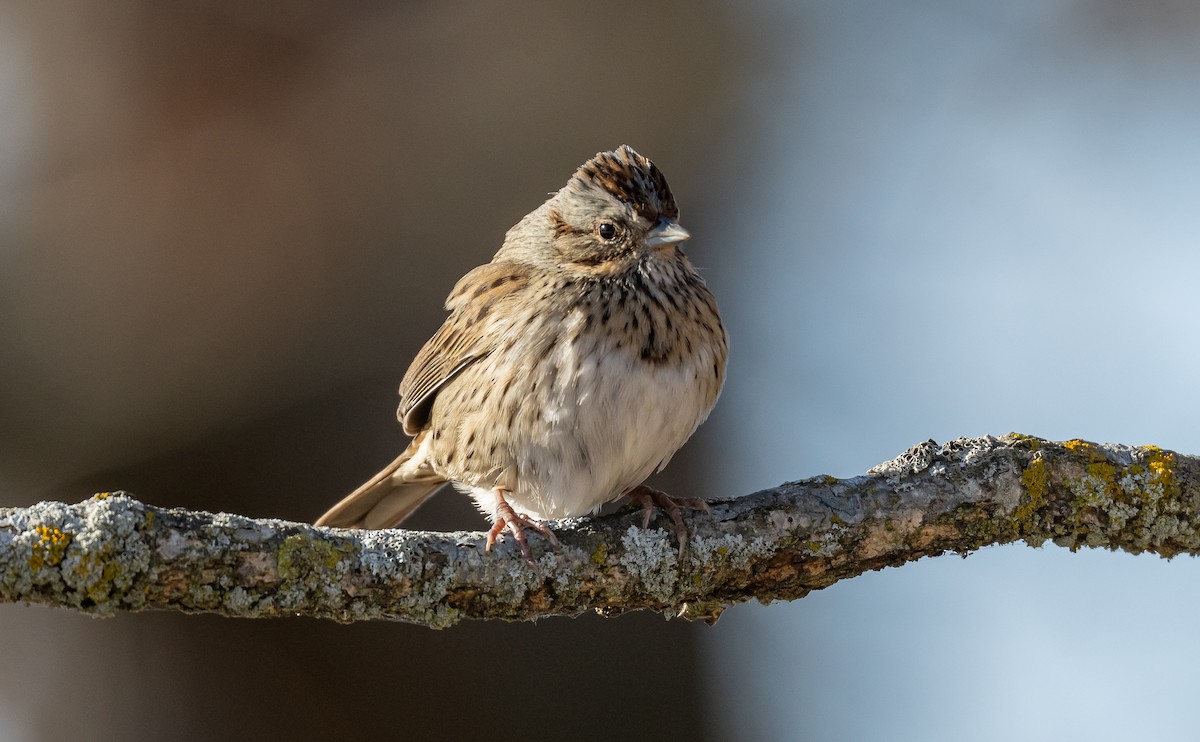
{"points": [[570, 367]]}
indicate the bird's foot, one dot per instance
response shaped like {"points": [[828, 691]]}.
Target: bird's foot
{"points": [[515, 523], [648, 498]]}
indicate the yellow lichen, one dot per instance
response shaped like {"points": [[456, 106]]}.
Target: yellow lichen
{"points": [[1162, 469], [85, 564], [600, 555], [1077, 445], [1099, 487], [1033, 443], [98, 591], [101, 495], [50, 547], [301, 556], [1103, 470], [1035, 482]]}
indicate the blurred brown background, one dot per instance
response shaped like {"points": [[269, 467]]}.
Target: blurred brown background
{"points": [[225, 229]]}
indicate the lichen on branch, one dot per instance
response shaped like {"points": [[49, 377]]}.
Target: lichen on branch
{"points": [[112, 553]]}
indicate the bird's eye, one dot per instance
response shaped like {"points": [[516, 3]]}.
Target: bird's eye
{"points": [[606, 230]]}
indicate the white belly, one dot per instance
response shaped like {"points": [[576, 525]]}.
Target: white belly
{"points": [[610, 420]]}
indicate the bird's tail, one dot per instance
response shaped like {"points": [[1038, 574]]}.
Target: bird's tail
{"points": [[387, 498]]}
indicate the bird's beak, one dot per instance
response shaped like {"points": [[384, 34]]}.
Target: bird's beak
{"points": [[666, 232]]}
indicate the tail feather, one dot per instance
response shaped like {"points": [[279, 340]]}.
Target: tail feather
{"points": [[386, 499]]}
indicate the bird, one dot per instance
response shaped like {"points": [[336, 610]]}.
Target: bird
{"points": [[568, 370]]}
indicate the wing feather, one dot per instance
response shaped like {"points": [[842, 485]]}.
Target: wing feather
{"points": [[469, 334]]}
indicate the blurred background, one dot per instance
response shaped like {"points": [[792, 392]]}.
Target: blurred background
{"points": [[226, 228]]}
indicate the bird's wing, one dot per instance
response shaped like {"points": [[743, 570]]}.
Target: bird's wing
{"points": [[473, 330]]}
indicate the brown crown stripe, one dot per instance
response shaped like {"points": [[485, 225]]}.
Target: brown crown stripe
{"points": [[633, 179]]}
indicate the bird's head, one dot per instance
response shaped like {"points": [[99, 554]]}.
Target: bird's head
{"points": [[616, 211]]}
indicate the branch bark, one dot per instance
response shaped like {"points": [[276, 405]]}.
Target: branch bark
{"points": [[113, 553]]}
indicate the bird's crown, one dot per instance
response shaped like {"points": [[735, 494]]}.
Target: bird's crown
{"points": [[631, 178]]}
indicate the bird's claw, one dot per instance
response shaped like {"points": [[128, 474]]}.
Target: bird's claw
{"points": [[648, 498], [515, 523]]}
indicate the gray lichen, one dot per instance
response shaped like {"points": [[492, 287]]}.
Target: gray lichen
{"points": [[649, 556]]}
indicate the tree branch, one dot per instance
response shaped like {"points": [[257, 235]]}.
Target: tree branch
{"points": [[112, 553]]}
